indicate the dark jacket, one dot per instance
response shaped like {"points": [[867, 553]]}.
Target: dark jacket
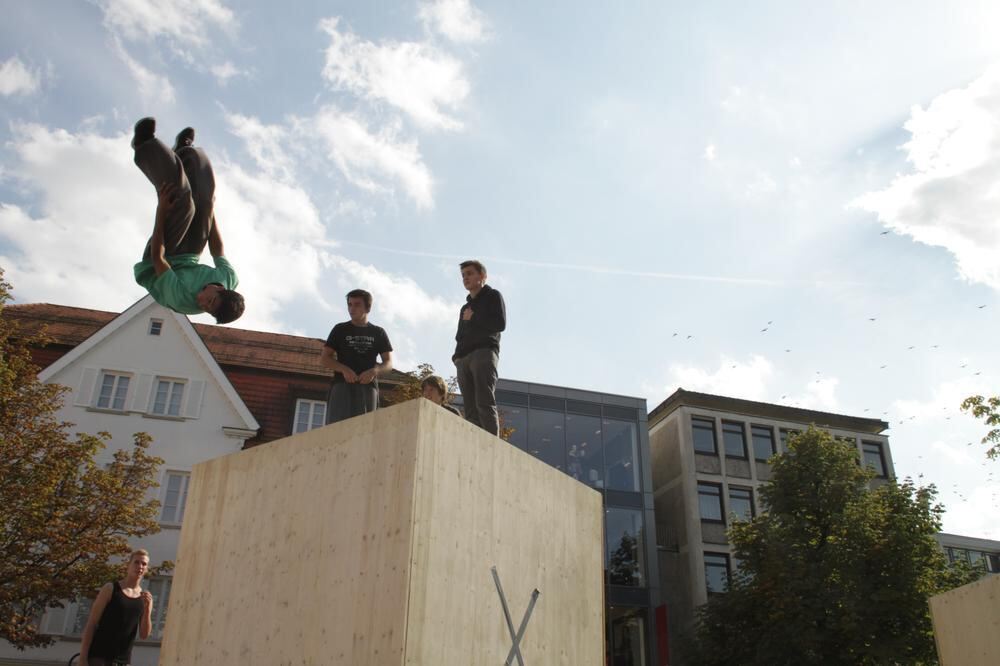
{"points": [[489, 318]]}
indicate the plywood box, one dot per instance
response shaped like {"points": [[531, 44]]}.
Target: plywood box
{"points": [[371, 542], [967, 624]]}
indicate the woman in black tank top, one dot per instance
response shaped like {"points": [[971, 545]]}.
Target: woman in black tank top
{"points": [[120, 611]]}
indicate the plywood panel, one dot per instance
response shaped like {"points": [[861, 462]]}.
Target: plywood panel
{"points": [[479, 503], [967, 624], [296, 551]]}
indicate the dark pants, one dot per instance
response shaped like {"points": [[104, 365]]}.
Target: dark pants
{"points": [[347, 400], [477, 380], [190, 221]]}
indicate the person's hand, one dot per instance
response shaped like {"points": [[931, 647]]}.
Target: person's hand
{"points": [[168, 195], [147, 600], [350, 376], [467, 314], [367, 377]]}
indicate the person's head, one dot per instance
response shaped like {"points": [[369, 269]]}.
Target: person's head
{"points": [[359, 304], [138, 563], [473, 275], [224, 304], [434, 389]]}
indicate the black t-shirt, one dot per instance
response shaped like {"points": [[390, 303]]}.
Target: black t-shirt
{"points": [[117, 627], [357, 347]]}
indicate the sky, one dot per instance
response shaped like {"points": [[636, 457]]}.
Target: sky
{"points": [[777, 201]]}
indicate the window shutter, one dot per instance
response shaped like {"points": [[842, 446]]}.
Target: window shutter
{"points": [[140, 396], [195, 394], [85, 392], [54, 622]]}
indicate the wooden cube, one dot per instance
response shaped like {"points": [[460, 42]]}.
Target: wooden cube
{"points": [[371, 541]]}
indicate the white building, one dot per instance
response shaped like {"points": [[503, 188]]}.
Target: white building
{"points": [[147, 370]]}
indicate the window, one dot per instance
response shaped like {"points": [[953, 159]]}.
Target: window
{"points": [[627, 637], [584, 450], [625, 547], [993, 562], [621, 455], [547, 437], [703, 434], [155, 326], [167, 400], [763, 441], [80, 617], [309, 414], [716, 572], [873, 458], [114, 389], [784, 434], [160, 589], [515, 418], [734, 440], [741, 502], [174, 497], [710, 501]]}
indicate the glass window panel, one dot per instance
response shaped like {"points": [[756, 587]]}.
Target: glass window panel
{"points": [[175, 497], [516, 419], [873, 457], [318, 414], [741, 502], [627, 639], [624, 548], [621, 454], [160, 402], [82, 614], [710, 501], [703, 433], [716, 572], [121, 390], [547, 437], [734, 439], [784, 435], [176, 392], [584, 451], [107, 386], [160, 589], [763, 442]]}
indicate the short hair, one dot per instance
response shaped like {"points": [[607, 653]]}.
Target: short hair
{"points": [[363, 295], [437, 383], [475, 263], [230, 308], [138, 551]]}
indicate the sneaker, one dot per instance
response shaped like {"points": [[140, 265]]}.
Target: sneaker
{"points": [[184, 138], [144, 130]]}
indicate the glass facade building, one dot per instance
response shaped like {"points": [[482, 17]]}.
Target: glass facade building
{"points": [[601, 440]]}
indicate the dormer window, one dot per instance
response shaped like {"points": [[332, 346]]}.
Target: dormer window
{"points": [[155, 326]]}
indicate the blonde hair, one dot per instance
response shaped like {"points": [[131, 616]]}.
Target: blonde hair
{"points": [[139, 551]]}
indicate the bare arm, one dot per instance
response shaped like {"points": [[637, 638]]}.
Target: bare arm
{"points": [[146, 621], [329, 360], [215, 239], [96, 611], [167, 198], [385, 366]]}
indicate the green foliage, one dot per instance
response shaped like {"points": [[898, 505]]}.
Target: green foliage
{"points": [[63, 516], [409, 387], [987, 409], [835, 572]]}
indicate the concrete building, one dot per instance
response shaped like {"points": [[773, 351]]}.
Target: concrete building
{"points": [[983, 553], [709, 455]]}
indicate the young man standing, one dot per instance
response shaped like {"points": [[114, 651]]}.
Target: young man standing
{"points": [[121, 611], [477, 349], [185, 223], [350, 351]]}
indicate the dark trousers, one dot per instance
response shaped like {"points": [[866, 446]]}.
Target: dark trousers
{"points": [[477, 380], [190, 221], [347, 400]]}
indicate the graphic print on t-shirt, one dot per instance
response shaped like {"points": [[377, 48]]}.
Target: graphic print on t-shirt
{"points": [[357, 347], [360, 344]]}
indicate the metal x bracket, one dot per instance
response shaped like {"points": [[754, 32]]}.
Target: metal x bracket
{"points": [[515, 648]]}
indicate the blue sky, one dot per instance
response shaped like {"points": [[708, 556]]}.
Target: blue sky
{"points": [[628, 172]]}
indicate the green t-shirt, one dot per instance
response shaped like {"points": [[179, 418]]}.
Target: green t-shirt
{"points": [[176, 289]]}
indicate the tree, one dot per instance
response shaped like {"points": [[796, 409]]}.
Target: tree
{"points": [[409, 388], [63, 516], [987, 409], [834, 572]]}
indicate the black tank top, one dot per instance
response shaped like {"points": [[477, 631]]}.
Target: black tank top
{"points": [[117, 627]]}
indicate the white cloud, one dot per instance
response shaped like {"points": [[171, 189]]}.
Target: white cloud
{"points": [[183, 23], [368, 159], [761, 186], [951, 198], [732, 378], [155, 89], [820, 394], [17, 79], [710, 152], [226, 71], [457, 20], [412, 76], [267, 144]]}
